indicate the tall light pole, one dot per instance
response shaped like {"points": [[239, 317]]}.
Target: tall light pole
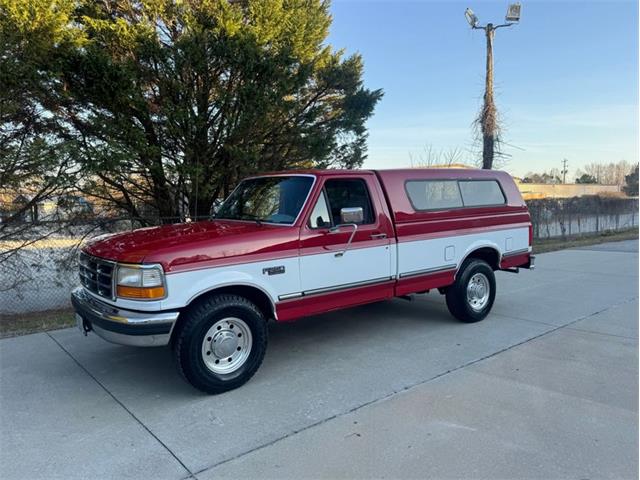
{"points": [[488, 117]]}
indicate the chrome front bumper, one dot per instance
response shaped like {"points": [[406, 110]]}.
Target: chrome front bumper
{"points": [[126, 327]]}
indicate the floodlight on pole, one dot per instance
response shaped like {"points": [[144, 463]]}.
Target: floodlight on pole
{"points": [[488, 116], [513, 12], [471, 18]]}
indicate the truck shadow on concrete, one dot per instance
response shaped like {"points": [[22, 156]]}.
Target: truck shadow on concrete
{"points": [[297, 348], [371, 321]]}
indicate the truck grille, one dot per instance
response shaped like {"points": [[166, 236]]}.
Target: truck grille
{"points": [[96, 275]]}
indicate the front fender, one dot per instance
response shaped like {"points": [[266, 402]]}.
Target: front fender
{"points": [[183, 287]]}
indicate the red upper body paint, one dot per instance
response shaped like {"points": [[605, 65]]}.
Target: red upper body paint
{"points": [[187, 246]]}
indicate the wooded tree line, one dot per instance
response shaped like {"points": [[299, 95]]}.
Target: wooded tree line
{"points": [[158, 107], [613, 173]]}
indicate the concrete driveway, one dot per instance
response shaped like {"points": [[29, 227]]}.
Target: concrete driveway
{"points": [[546, 387]]}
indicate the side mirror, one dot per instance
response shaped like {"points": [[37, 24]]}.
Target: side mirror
{"points": [[215, 206], [351, 215]]}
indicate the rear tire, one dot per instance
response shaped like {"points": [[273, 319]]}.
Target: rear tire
{"points": [[220, 343], [471, 296]]}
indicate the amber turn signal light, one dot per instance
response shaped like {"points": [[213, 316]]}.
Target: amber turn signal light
{"points": [[147, 293]]}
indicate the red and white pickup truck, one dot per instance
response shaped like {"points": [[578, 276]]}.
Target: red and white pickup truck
{"points": [[288, 245]]}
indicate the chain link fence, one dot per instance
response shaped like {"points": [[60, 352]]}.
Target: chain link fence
{"points": [[564, 217], [38, 260]]}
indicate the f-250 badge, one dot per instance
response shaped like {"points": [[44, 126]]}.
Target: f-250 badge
{"points": [[273, 270]]}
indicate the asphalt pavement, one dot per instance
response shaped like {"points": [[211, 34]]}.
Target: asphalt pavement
{"points": [[545, 387]]}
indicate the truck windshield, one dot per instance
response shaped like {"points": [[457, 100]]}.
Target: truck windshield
{"points": [[267, 199]]}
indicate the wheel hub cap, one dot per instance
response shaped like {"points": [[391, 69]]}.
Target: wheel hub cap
{"points": [[226, 345], [478, 290]]}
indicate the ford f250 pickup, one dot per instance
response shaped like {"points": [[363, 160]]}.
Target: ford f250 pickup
{"points": [[287, 245]]}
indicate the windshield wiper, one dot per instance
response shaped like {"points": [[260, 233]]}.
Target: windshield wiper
{"points": [[250, 216], [244, 216]]}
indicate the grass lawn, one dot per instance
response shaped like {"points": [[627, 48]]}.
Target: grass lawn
{"points": [[551, 244], [14, 325]]}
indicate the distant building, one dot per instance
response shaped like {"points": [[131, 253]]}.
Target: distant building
{"points": [[11, 203], [453, 165], [61, 207], [565, 190]]}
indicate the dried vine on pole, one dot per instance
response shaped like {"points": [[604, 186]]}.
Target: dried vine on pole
{"points": [[488, 118]]}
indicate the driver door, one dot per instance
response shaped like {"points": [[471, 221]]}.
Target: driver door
{"points": [[332, 264]]}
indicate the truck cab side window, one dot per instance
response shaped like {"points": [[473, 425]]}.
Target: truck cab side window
{"points": [[349, 193], [320, 215]]}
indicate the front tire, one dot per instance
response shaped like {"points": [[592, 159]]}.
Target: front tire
{"points": [[220, 343], [471, 296]]}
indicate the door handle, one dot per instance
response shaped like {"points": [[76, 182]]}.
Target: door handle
{"points": [[377, 236]]}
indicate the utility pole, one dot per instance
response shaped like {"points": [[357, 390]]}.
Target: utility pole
{"points": [[488, 117], [564, 170]]}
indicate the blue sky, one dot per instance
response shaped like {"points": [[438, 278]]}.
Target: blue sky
{"points": [[566, 78]]}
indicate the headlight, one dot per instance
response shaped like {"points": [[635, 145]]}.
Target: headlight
{"points": [[146, 283]]}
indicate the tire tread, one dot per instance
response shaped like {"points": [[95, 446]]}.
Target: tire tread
{"points": [[198, 313], [456, 293]]}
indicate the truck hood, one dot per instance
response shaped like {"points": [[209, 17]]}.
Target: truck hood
{"points": [[188, 245]]}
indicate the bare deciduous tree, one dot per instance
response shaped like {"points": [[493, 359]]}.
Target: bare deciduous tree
{"points": [[431, 157], [612, 173]]}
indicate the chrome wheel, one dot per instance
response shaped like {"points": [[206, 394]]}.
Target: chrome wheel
{"points": [[478, 290], [227, 345]]}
